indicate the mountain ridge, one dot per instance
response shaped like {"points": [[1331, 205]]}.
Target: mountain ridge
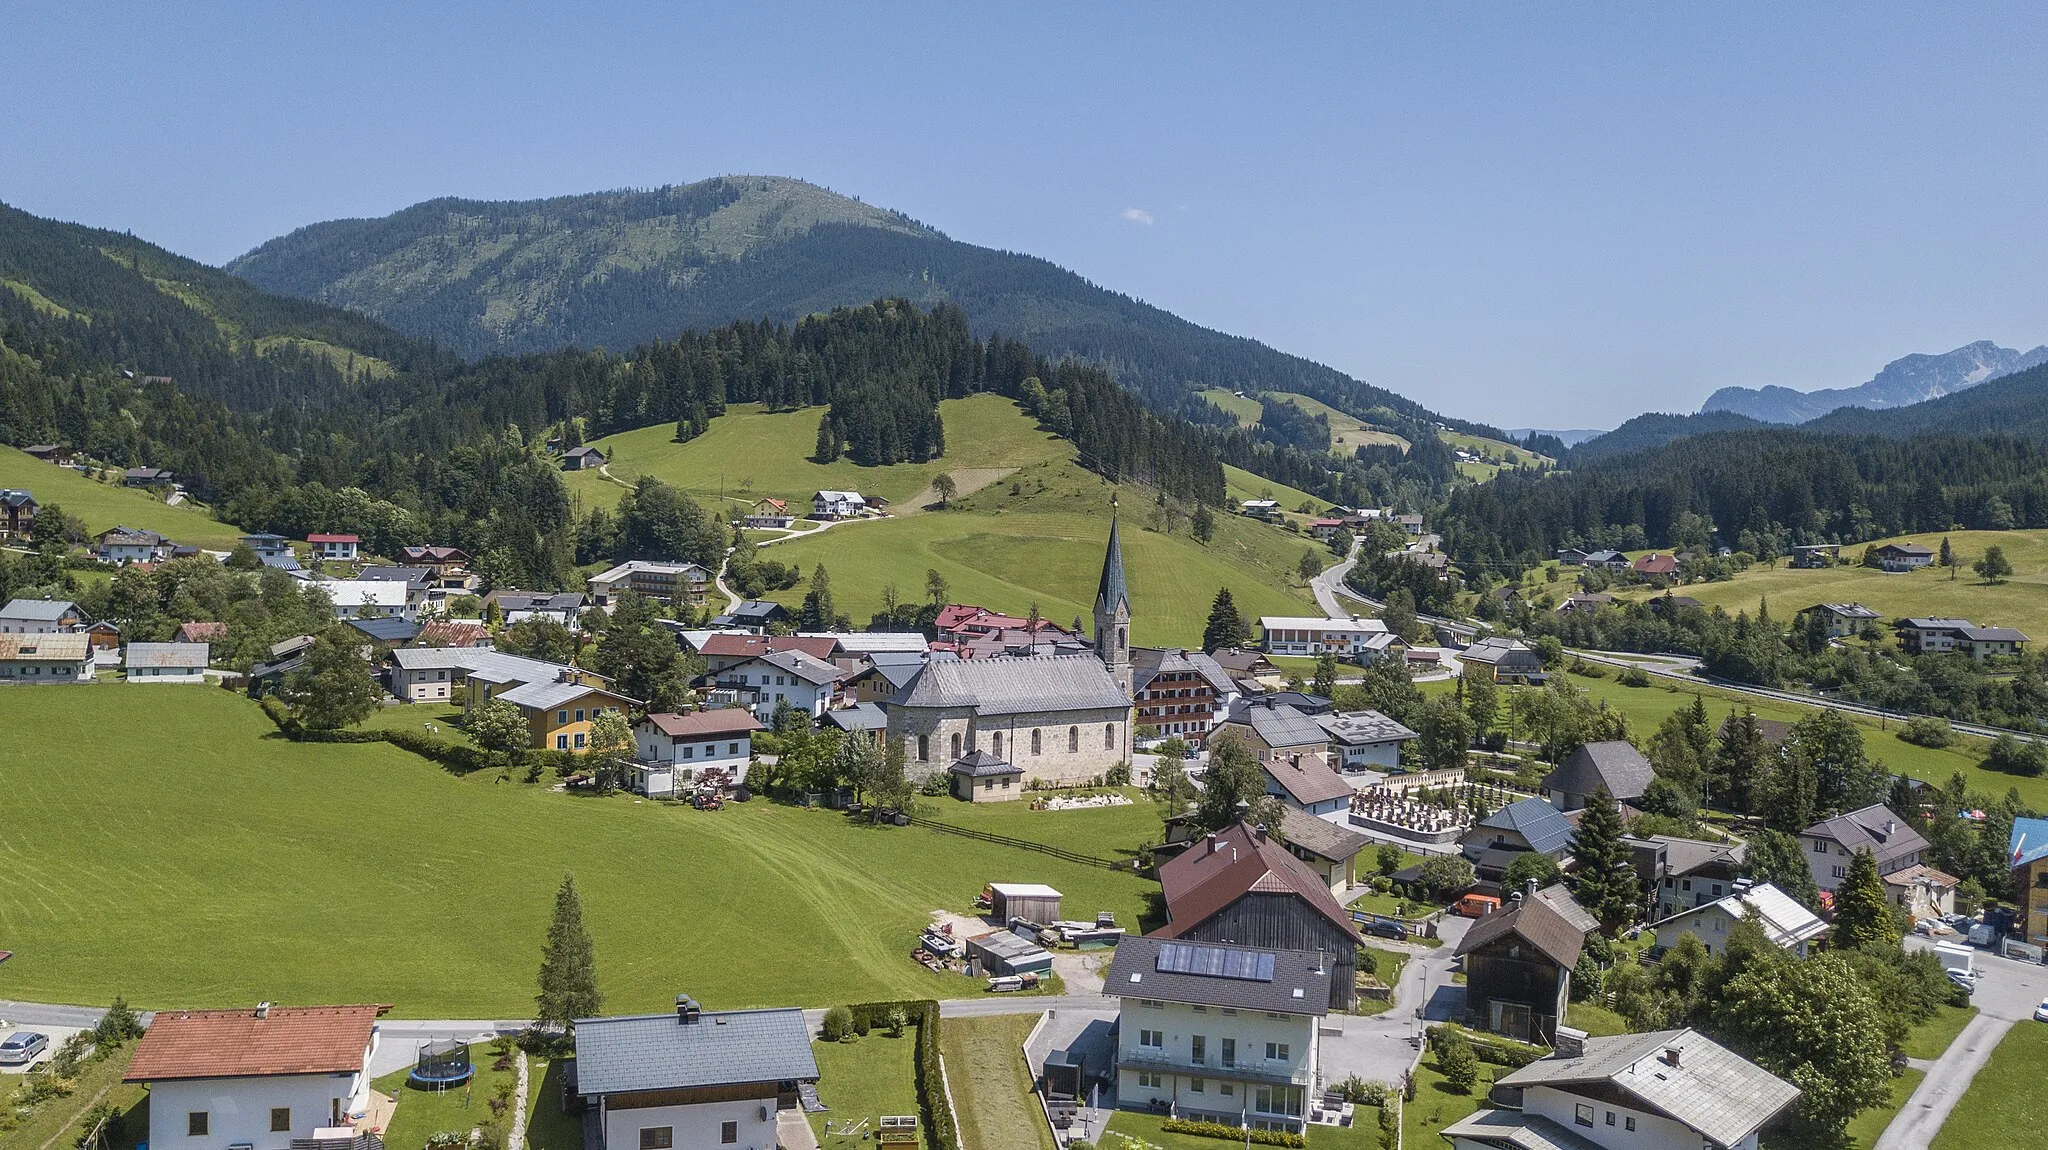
{"points": [[1903, 382]]}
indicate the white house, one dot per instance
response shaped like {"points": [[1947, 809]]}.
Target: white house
{"points": [[338, 548], [662, 582], [694, 1078], [430, 674], [1830, 844], [837, 505], [124, 545], [563, 608], [1310, 635], [808, 684], [46, 658], [166, 662], [1364, 740], [673, 748], [1661, 1090], [1218, 1033], [39, 617], [369, 598], [258, 1078], [1790, 926], [1266, 510]]}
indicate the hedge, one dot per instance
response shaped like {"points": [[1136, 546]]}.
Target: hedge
{"points": [[456, 757], [923, 1013], [1238, 1134]]}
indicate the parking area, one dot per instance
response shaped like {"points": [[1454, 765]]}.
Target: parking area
{"points": [[56, 1034]]}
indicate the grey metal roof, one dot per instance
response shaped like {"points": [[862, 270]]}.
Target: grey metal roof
{"points": [[1277, 725], [1993, 634], [1784, 921], [1535, 820], [981, 765], [899, 667], [1363, 728], [1711, 1088], [37, 610], [625, 1054], [1320, 837], [1875, 829], [1614, 764], [1300, 982], [389, 574], [540, 600], [1007, 686], [814, 671], [1518, 1129], [859, 717], [164, 655], [1498, 651], [392, 630], [480, 661], [547, 696]]}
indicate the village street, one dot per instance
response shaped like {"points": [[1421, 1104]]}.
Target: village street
{"points": [[2007, 992]]}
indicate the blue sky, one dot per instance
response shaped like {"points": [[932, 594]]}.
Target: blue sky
{"points": [[1559, 217]]}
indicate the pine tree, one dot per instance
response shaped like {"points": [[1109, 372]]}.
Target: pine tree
{"points": [[1226, 627], [818, 612], [1742, 759], [1204, 523], [1605, 882], [568, 964], [1863, 917], [1326, 675]]}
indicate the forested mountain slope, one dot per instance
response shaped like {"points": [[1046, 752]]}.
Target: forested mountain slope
{"points": [[2016, 404], [619, 269], [1904, 381]]}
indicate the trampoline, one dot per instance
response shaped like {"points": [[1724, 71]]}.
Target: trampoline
{"points": [[442, 1063]]}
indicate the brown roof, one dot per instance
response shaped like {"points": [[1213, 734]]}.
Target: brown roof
{"points": [[748, 646], [1309, 780], [697, 724], [447, 633], [238, 1044], [1545, 922], [1219, 869], [201, 633]]}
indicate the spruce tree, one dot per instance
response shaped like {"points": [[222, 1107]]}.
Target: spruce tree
{"points": [[1863, 917], [1605, 882], [1326, 675], [818, 612], [1226, 627], [568, 964]]}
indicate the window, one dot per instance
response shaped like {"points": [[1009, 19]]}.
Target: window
{"points": [[1230, 1052], [579, 714], [1151, 1003], [579, 740], [1841, 872], [1034, 741], [1109, 736], [1686, 885], [924, 748], [196, 1124], [561, 716], [1628, 1123], [1820, 847], [1152, 1038], [280, 1119], [1198, 1049], [657, 1137], [1227, 1090], [1148, 1080], [1195, 1086], [734, 749], [996, 744], [1073, 739], [728, 1133], [1276, 1052], [956, 745], [689, 752], [1582, 1114], [1610, 1117], [561, 742]]}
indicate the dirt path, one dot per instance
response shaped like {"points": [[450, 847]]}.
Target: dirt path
{"points": [[966, 481]]}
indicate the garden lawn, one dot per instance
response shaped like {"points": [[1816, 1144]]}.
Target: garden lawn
{"points": [[169, 846], [1931, 1039], [547, 1128], [867, 1078], [421, 1114], [991, 1083], [104, 505], [2004, 1101], [1595, 1020], [1436, 1106], [1113, 833]]}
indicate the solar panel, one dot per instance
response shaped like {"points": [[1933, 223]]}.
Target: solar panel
{"points": [[1215, 962]]}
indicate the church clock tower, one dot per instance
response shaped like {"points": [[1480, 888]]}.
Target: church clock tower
{"points": [[1113, 611]]}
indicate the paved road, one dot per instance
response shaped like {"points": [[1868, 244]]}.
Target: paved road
{"points": [[2007, 992], [1379, 1048], [1325, 585]]}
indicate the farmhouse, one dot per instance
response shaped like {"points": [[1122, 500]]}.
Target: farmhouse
{"points": [[17, 513], [165, 662], [39, 617], [200, 633], [665, 583], [1838, 620], [1935, 636], [1309, 635], [1518, 964], [1614, 764], [769, 513], [1788, 925], [837, 505], [562, 608], [1571, 556], [148, 477], [1412, 524], [454, 633], [1655, 565], [263, 1078], [1585, 602], [1239, 886], [1179, 692], [334, 548], [443, 561], [1902, 556], [48, 453], [45, 658], [1675, 1088], [764, 682], [1812, 556], [1502, 660], [1218, 1033], [1324, 530], [692, 1078], [1829, 844], [1264, 510], [673, 749], [124, 545], [559, 713], [1364, 740], [584, 458]]}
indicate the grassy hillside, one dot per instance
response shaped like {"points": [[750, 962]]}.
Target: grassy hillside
{"points": [[2021, 602], [1347, 432], [216, 863], [1244, 407], [104, 505]]}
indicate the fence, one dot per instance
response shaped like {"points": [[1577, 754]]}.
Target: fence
{"points": [[1022, 844]]}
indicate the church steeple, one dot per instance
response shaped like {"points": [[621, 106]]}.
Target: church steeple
{"points": [[1113, 610]]}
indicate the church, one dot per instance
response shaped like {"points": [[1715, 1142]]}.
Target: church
{"points": [[1060, 720]]}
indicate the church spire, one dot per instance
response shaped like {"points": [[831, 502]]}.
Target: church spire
{"points": [[1110, 593], [1113, 610]]}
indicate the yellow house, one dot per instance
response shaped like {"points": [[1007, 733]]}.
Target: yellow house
{"points": [[488, 675], [560, 713]]}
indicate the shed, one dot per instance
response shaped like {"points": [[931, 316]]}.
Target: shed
{"points": [[1033, 902], [1001, 952]]}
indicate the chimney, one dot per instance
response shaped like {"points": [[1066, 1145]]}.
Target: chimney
{"points": [[1571, 1042], [1214, 846], [263, 1010], [1528, 888], [1891, 827], [1259, 833], [687, 1010], [1671, 1056]]}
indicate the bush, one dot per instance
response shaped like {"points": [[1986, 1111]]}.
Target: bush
{"points": [[1237, 1134], [1118, 775], [1633, 677], [838, 1024], [2016, 758], [1460, 1067], [1928, 731], [1362, 1092], [933, 786]]}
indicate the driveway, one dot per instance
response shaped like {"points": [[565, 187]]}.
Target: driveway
{"points": [[1381, 1047], [2007, 992]]}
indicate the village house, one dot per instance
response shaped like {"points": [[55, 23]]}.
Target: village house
{"points": [[673, 749], [1324, 847], [442, 561], [694, 1078], [1518, 963], [866, 720], [1179, 692], [391, 631], [48, 453], [334, 548], [1584, 602], [1436, 561], [45, 658], [665, 583], [1813, 556], [1218, 1033], [585, 458], [1614, 764], [1830, 843], [863, 643], [39, 617], [755, 615], [1684, 873], [1364, 740], [2026, 851], [1840, 620], [444, 674], [262, 1079], [165, 662], [368, 599], [1932, 636], [17, 513], [422, 586], [1324, 530], [1263, 510], [1922, 891], [1310, 635], [1238, 885], [1412, 524], [1655, 565], [1663, 1088], [559, 713], [1902, 556], [1244, 665], [881, 674], [1292, 748], [1788, 925], [263, 543], [454, 633], [764, 682], [829, 505], [207, 632], [721, 650], [148, 477], [1605, 560], [1528, 825], [1503, 661], [769, 514], [563, 608], [121, 546], [1571, 556]]}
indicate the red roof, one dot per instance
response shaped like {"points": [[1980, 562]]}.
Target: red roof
{"points": [[332, 539], [1219, 869], [1656, 563], [699, 724], [238, 1044], [749, 646], [202, 632]]}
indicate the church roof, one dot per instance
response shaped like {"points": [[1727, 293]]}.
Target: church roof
{"points": [[1008, 686], [1111, 592]]}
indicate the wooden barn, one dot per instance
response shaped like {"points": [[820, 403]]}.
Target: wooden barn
{"points": [[1518, 965], [1033, 902]]}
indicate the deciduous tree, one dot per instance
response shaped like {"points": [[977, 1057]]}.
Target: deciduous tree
{"points": [[335, 688]]}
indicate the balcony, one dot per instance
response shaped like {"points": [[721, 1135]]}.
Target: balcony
{"points": [[1154, 1060]]}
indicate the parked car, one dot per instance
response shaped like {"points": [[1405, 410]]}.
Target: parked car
{"points": [[22, 1047], [2041, 1011], [1965, 979], [1384, 929]]}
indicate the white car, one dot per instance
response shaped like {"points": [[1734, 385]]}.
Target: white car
{"points": [[2041, 1011]]}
